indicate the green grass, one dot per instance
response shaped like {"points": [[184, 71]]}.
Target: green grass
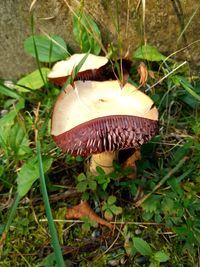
{"points": [[156, 215]]}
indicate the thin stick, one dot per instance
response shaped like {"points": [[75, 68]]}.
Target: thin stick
{"points": [[109, 248], [187, 25], [116, 222], [167, 75], [127, 17], [180, 50], [164, 179], [143, 20]]}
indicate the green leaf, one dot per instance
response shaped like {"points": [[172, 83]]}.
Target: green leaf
{"points": [[33, 80], [116, 210], [151, 204], [80, 64], [81, 177], [49, 261], [100, 170], [49, 49], [167, 205], [88, 223], [8, 92], [86, 33], [161, 256], [147, 215], [92, 185], [148, 52], [176, 187], [108, 215], [7, 122], [187, 86], [82, 186], [29, 173], [111, 200], [18, 140], [154, 264], [75, 71], [142, 246]]}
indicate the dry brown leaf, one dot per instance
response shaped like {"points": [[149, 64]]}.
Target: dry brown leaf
{"points": [[143, 72], [130, 162], [84, 210]]}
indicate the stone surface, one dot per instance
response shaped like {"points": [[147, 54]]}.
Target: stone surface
{"points": [[164, 22]]}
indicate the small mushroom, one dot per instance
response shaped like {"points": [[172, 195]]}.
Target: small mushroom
{"points": [[95, 68], [101, 118], [90, 69]]}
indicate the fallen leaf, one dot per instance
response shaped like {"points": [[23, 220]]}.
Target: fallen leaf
{"points": [[84, 210], [143, 72], [130, 162]]}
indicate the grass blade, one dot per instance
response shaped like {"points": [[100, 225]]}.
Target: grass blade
{"points": [[162, 181], [189, 22], [9, 221], [190, 90], [12, 213], [36, 52], [55, 242], [8, 92], [75, 71]]}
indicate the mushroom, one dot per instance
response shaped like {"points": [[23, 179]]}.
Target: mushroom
{"points": [[101, 118], [63, 69], [95, 68]]}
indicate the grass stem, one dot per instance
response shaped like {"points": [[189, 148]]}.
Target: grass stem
{"points": [[55, 242], [162, 181]]}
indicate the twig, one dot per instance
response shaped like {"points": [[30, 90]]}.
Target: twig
{"points": [[127, 17], [143, 20], [54, 41], [164, 179], [116, 222], [59, 196], [109, 248], [184, 28], [32, 5], [167, 75], [180, 50]]}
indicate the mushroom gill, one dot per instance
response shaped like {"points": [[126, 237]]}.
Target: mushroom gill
{"points": [[105, 134]]}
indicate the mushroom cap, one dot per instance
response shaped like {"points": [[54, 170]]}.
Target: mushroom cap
{"points": [[95, 117], [62, 69]]}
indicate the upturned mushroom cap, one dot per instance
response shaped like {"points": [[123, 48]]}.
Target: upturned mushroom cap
{"points": [[101, 116], [89, 70]]}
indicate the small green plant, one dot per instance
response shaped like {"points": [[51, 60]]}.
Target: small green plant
{"points": [[86, 183], [136, 245], [49, 49], [110, 209], [87, 224], [102, 178], [86, 33], [155, 258]]}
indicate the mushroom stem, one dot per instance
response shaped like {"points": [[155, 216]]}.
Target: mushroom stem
{"points": [[103, 160]]}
